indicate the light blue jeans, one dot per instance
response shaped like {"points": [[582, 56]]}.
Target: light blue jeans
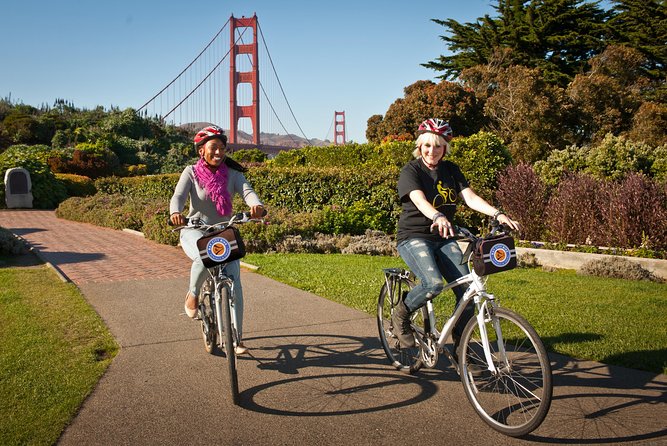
{"points": [[198, 272], [431, 261]]}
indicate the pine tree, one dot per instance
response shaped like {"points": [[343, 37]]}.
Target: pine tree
{"points": [[558, 36], [642, 25]]}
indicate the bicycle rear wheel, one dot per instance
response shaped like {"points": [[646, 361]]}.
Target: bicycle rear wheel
{"points": [[404, 359], [514, 399], [229, 343]]}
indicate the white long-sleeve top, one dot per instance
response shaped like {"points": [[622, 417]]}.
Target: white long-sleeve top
{"points": [[201, 205]]}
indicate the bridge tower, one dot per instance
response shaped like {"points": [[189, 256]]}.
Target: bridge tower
{"points": [[339, 128], [236, 111]]}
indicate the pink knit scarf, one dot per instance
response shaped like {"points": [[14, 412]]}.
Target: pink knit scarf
{"points": [[215, 184]]}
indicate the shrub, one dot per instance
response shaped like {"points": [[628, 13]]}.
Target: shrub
{"points": [[392, 154], [153, 186], [561, 162], [307, 188], [616, 156], [481, 158], [625, 214], [249, 156], [11, 245], [573, 213], [155, 225], [373, 243], [111, 211], [524, 196], [77, 185], [635, 214], [617, 267]]}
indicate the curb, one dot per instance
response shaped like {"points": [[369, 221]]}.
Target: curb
{"points": [[574, 260], [61, 275]]}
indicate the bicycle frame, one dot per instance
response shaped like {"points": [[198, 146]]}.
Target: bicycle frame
{"points": [[477, 293]]}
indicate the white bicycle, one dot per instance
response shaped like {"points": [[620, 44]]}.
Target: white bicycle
{"points": [[503, 365]]}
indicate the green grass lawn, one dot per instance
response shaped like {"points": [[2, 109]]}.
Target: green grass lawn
{"points": [[613, 321], [53, 350]]}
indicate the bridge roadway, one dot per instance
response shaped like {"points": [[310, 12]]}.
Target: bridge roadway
{"points": [[316, 374]]}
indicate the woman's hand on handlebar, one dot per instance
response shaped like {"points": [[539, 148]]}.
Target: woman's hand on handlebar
{"points": [[443, 227], [257, 212], [177, 219], [505, 220]]}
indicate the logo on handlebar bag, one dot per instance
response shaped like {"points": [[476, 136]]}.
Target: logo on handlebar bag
{"points": [[500, 255], [218, 249]]}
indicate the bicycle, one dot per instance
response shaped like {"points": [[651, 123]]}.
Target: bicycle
{"points": [[501, 360], [216, 305]]}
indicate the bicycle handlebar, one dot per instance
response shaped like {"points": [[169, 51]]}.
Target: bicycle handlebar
{"points": [[496, 227], [196, 223]]}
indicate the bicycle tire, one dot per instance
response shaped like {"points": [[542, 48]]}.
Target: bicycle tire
{"points": [[229, 343], [207, 313], [516, 398], [406, 360]]}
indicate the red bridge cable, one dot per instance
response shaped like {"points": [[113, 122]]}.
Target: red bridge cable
{"points": [[186, 68]]}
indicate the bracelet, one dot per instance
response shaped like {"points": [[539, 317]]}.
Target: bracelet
{"points": [[497, 214], [437, 215]]}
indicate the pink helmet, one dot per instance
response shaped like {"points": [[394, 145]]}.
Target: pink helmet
{"points": [[437, 126], [210, 132]]}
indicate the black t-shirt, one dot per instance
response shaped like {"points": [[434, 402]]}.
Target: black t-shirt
{"points": [[441, 187]]}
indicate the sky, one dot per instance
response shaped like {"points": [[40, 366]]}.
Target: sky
{"points": [[351, 56]]}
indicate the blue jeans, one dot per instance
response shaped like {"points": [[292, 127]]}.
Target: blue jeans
{"points": [[198, 272], [431, 261]]}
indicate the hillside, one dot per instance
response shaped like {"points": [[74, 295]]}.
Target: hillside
{"points": [[271, 139]]}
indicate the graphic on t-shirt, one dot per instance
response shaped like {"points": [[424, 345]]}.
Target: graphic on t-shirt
{"points": [[446, 195]]}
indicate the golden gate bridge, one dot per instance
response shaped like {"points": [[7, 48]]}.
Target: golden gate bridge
{"points": [[223, 85]]}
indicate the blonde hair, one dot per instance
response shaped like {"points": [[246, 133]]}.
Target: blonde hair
{"points": [[433, 139]]}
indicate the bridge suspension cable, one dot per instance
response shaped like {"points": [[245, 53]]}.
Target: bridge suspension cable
{"points": [[200, 94], [188, 67], [281, 85]]}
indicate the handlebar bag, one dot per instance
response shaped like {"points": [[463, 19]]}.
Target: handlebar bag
{"points": [[493, 255], [221, 247]]}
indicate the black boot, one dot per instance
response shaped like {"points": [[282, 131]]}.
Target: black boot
{"points": [[400, 320]]}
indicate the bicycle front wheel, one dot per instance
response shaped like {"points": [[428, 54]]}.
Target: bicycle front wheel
{"points": [[515, 398], [405, 359], [229, 342], [208, 319]]}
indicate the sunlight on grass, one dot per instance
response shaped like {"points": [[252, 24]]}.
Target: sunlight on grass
{"points": [[53, 350], [613, 321]]}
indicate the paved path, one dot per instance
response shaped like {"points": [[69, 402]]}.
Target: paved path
{"points": [[317, 374]]}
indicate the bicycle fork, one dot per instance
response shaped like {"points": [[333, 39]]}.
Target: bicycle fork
{"points": [[484, 315], [218, 310]]}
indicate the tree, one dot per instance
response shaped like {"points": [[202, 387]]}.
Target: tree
{"points": [[642, 24], [523, 109], [373, 132], [426, 99], [557, 36], [607, 96]]}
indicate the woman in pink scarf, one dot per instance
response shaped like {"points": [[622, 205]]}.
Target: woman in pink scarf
{"points": [[210, 185]]}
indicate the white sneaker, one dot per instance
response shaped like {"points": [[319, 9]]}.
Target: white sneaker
{"points": [[240, 349]]}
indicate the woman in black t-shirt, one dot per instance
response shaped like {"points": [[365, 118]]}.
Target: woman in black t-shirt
{"points": [[428, 188]]}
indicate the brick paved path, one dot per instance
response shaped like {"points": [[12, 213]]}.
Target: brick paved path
{"points": [[85, 253]]}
